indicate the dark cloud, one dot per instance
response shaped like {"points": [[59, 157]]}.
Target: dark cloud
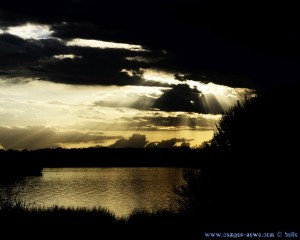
{"points": [[169, 143], [172, 143], [157, 122], [182, 98], [23, 58], [140, 141], [35, 137], [151, 145], [137, 102], [19, 55], [135, 141], [101, 67], [257, 45], [14, 52]]}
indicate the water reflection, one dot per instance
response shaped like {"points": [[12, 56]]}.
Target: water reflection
{"points": [[120, 190]]}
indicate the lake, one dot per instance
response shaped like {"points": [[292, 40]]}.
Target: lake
{"points": [[120, 190]]}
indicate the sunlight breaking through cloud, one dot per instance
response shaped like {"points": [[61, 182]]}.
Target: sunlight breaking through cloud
{"points": [[191, 95], [159, 76], [92, 114], [66, 56], [188, 109], [42, 31], [79, 42], [29, 31]]}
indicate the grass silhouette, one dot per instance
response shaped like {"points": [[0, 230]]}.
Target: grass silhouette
{"points": [[18, 219]]}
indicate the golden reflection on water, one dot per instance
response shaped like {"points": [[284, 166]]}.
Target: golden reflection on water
{"points": [[120, 190]]}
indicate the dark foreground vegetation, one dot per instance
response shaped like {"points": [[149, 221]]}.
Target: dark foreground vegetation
{"points": [[36, 223], [252, 174], [89, 224], [247, 180]]}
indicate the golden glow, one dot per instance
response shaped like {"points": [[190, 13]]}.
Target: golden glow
{"points": [[83, 116], [29, 31], [51, 114], [79, 42]]}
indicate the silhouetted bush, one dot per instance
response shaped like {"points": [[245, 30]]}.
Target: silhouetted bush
{"points": [[192, 196]]}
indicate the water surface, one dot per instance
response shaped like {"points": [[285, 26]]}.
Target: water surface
{"points": [[120, 190]]}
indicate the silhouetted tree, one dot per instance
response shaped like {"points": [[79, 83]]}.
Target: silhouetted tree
{"points": [[241, 172], [233, 128], [206, 185]]}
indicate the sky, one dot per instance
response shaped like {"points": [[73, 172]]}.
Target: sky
{"points": [[85, 73]]}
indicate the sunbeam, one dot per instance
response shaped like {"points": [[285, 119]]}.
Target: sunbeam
{"points": [[100, 115]]}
